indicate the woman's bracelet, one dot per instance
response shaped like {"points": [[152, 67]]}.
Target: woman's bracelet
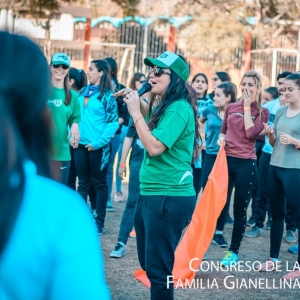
{"points": [[122, 165], [222, 135], [137, 120], [247, 108]]}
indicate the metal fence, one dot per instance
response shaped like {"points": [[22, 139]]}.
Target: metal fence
{"points": [[123, 53], [270, 62], [128, 33]]}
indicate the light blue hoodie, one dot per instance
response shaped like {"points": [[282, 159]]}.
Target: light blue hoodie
{"points": [[53, 251], [99, 120]]}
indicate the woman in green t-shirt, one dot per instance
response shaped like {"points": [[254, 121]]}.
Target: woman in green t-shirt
{"points": [[167, 197], [65, 110]]}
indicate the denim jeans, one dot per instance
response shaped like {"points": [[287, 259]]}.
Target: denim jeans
{"points": [[122, 138], [128, 214], [88, 164], [115, 142]]}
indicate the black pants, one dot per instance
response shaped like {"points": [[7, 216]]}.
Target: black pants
{"points": [[258, 146], [197, 179], [158, 222], [283, 187], [72, 172], [88, 165], [60, 170], [207, 165], [262, 198], [243, 174], [290, 223]]}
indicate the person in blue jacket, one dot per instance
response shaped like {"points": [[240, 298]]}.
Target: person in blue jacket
{"points": [[43, 253], [99, 123]]}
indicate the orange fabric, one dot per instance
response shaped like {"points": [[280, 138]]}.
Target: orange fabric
{"points": [[200, 231]]}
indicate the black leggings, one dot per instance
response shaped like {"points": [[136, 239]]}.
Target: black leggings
{"points": [[197, 179], [243, 174], [262, 197], [283, 186]]}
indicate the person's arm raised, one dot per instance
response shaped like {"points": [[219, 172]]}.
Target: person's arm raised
{"points": [[150, 142], [144, 106]]}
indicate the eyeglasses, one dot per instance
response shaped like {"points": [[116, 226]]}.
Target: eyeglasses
{"points": [[215, 79], [65, 67], [158, 72]]}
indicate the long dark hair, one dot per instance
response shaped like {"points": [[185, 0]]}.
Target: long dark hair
{"points": [[294, 77], [273, 91], [177, 90], [79, 78], [136, 77], [113, 68], [205, 78], [105, 82], [223, 76], [229, 89], [25, 123]]}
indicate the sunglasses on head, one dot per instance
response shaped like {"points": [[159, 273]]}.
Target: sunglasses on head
{"points": [[65, 67], [158, 72]]}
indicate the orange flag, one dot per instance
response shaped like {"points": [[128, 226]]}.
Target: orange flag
{"points": [[198, 236]]}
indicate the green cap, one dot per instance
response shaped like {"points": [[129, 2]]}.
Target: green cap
{"points": [[60, 59], [170, 60]]}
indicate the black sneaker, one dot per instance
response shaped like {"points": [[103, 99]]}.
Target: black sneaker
{"points": [[229, 220], [220, 241], [251, 222], [101, 230], [268, 225], [100, 227]]}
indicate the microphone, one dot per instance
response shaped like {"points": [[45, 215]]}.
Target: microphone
{"points": [[145, 88]]}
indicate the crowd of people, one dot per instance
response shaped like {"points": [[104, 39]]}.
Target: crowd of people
{"points": [[173, 135]]}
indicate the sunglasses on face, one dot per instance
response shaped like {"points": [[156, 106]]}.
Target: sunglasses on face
{"points": [[158, 72], [65, 67]]}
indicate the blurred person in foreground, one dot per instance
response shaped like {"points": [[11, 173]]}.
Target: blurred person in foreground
{"points": [[43, 254], [169, 134]]}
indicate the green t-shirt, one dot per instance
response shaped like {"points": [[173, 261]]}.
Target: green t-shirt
{"points": [[170, 174], [62, 117]]}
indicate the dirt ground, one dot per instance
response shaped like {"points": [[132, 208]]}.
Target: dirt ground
{"points": [[123, 286]]}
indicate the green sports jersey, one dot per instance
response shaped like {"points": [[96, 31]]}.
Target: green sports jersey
{"points": [[62, 116], [170, 173]]}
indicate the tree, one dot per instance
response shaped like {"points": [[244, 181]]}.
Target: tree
{"points": [[42, 11], [219, 26]]}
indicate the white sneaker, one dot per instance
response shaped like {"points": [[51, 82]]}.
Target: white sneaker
{"points": [[119, 251]]}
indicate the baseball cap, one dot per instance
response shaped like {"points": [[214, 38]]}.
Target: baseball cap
{"points": [[170, 60], [60, 59]]}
